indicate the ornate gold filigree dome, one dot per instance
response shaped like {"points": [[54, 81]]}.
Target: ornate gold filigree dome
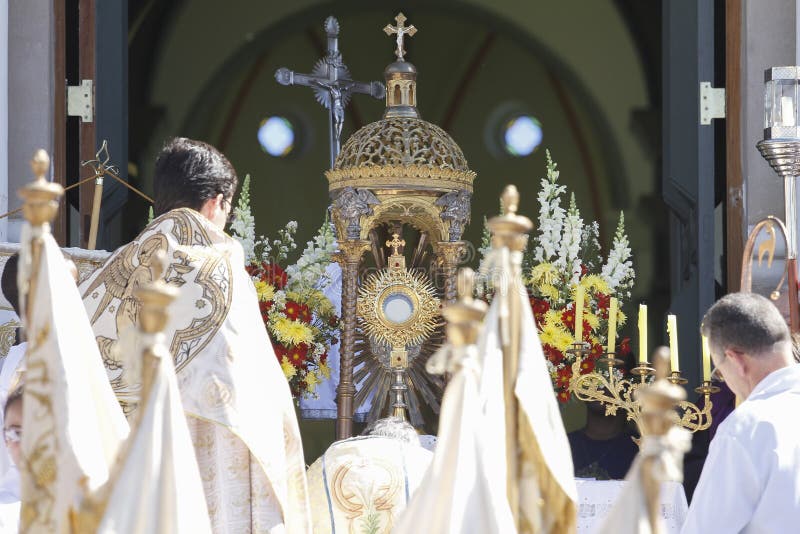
{"points": [[401, 152]]}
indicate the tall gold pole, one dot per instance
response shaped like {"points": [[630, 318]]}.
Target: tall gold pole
{"points": [[448, 255], [349, 257], [95, 222], [658, 409], [40, 207], [509, 232]]}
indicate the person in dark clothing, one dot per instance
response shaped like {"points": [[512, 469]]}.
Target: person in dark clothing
{"points": [[603, 449]]}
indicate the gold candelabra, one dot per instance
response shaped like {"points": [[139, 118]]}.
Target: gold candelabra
{"points": [[617, 393]]}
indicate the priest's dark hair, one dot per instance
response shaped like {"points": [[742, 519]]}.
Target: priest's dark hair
{"points": [[188, 173], [746, 322], [8, 281]]}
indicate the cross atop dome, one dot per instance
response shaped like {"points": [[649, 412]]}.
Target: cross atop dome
{"points": [[401, 30]]}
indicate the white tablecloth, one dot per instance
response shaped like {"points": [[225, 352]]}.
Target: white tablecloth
{"points": [[596, 497]]}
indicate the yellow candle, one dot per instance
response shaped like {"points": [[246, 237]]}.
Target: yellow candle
{"points": [[706, 361], [579, 314], [642, 333], [612, 325], [672, 330]]}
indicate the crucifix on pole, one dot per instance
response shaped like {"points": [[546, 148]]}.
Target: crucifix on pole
{"points": [[332, 85]]}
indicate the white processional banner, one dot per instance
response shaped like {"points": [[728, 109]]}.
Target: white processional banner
{"points": [[73, 423], [158, 488]]}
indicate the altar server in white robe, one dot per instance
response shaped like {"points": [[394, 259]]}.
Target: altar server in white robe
{"points": [[362, 484], [73, 426], [751, 477], [238, 406]]}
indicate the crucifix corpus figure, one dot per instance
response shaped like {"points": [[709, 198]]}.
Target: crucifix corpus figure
{"points": [[332, 85], [401, 30]]}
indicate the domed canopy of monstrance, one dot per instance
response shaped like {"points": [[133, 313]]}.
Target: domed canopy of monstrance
{"points": [[395, 177]]}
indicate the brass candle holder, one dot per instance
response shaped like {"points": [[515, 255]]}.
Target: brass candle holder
{"points": [[619, 393]]}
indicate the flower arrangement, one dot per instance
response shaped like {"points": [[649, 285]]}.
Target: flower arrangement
{"points": [[566, 255], [301, 320]]}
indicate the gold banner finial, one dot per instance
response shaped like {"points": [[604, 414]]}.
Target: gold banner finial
{"points": [[40, 196], [510, 199], [401, 30], [40, 164]]}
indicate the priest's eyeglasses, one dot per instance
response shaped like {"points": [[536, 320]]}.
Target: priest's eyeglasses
{"points": [[12, 434]]}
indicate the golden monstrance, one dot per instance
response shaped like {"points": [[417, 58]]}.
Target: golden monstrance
{"points": [[401, 189]]}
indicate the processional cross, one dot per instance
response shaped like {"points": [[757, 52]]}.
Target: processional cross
{"points": [[395, 243], [332, 85], [401, 30]]}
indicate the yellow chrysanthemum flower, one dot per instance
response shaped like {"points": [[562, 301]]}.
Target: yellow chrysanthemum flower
{"points": [[621, 318], [291, 332], [595, 283], [265, 291], [553, 317], [592, 319], [289, 370], [563, 340], [325, 370], [311, 381], [543, 273], [549, 292]]}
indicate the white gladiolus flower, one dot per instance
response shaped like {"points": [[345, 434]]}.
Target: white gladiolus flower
{"points": [[618, 270]]}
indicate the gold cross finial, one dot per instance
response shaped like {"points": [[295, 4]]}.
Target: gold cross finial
{"points": [[396, 243], [401, 30]]}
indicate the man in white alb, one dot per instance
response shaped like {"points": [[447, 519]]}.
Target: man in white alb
{"points": [[751, 478]]}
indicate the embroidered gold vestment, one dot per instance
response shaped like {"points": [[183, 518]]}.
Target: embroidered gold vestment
{"points": [[239, 408]]}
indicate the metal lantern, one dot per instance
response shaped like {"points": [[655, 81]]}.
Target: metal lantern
{"points": [[781, 148]]}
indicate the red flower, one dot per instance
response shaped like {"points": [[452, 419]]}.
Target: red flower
{"points": [[625, 346], [540, 307], [333, 320], [280, 350], [584, 270], [253, 270], [303, 313], [292, 310], [564, 395], [553, 354], [587, 366], [587, 330], [603, 301], [334, 341], [297, 355], [596, 351], [563, 377], [323, 358], [568, 318], [273, 274]]}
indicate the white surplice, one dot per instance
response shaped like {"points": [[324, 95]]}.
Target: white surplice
{"points": [[751, 478]]}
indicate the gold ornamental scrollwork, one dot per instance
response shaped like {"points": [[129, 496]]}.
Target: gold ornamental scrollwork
{"points": [[417, 289]]}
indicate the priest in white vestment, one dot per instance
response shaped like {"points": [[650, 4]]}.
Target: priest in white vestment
{"points": [[751, 478], [237, 401]]}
